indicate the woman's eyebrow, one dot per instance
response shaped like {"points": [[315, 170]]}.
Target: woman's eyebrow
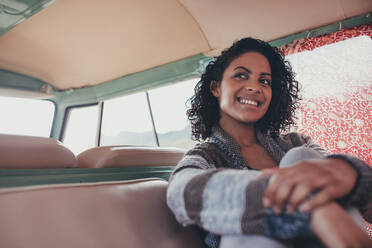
{"points": [[265, 74], [249, 71], [243, 68]]}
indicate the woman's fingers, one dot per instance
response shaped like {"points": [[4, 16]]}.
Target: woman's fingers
{"points": [[321, 198], [299, 194], [280, 188], [303, 190], [292, 185], [281, 194]]}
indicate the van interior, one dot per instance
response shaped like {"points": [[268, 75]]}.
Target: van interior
{"points": [[92, 105]]}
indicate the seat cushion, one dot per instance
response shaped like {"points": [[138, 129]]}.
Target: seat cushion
{"points": [[95, 215]]}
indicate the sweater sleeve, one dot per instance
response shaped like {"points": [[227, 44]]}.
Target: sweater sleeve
{"points": [[221, 201], [361, 195]]}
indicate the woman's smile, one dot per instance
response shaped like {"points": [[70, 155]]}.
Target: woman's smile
{"points": [[249, 100]]}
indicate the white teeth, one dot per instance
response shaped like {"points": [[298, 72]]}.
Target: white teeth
{"points": [[246, 101]]}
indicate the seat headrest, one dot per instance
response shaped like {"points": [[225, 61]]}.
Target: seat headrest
{"points": [[129, 156], [30, 152]]}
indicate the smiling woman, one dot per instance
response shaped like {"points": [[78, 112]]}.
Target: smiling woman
{"points": [[230, 184]]}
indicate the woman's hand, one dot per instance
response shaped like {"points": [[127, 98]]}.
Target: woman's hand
{"points": [[332, 178]]}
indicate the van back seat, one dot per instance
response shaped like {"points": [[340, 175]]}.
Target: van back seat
{"points": [[95, 215], [129, 156], [30, 152]]}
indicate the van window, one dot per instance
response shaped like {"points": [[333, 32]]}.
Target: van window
{"points": [[169, 109], [26, 116], [127, 121], [81, 128]]}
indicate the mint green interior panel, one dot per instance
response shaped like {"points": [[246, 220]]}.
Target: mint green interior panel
{"points": [[15, 178], [18, 81], [13, 12], [348, 23]]}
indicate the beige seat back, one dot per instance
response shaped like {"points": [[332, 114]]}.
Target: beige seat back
{"points": [[29, 152], [129, 156], [96, 215]]}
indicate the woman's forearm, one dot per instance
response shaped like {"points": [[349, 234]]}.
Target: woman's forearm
{"points": [[335, 228]]}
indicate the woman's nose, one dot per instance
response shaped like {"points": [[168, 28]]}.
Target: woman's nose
{"points": [[252, 87]]}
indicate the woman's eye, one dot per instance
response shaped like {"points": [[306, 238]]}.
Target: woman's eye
{"points": [[240, 76], [265, 81]]}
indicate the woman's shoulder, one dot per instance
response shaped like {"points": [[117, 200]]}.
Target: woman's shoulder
{"points": [[209, 151], [201, 147]]}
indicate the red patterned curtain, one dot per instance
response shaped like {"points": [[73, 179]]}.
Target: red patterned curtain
{"points": [[309, 44], [336, 109], [337, 113]]}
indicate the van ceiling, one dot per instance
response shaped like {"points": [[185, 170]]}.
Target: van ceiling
{"points": [[77, 43]]}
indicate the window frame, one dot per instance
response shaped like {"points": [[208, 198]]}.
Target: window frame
{"points": [[66, 118]]}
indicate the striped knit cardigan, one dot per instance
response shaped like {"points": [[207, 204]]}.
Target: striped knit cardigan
{"points": [[214, 188]]}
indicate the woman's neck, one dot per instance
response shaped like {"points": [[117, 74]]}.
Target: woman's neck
{"points": [[242, 133]]}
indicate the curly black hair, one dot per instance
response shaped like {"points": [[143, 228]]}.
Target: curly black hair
{"points": [[204, 111]]}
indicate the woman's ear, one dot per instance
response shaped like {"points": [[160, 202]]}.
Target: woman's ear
{"points": [[215, 88]]}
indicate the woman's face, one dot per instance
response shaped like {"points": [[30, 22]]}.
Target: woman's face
{"points": [[244, 93]]}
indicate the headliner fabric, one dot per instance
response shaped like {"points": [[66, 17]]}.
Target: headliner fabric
{"points": [[77, 43]]}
